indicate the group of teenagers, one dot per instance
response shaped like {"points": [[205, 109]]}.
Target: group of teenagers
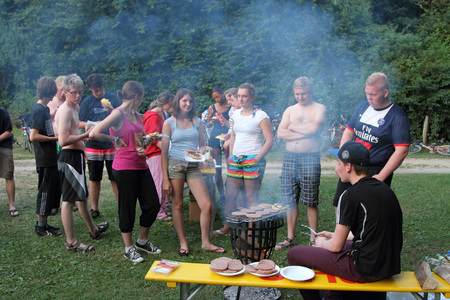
{"points": [[367, 241]]}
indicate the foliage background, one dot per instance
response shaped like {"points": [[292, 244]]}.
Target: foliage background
{"points": [[199, 44]]}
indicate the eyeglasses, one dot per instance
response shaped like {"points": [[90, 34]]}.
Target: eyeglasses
{"points": [[76, 92]]}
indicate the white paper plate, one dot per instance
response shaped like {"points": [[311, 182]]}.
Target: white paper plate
{"points": [[297, 273], [264, 275], [232, 274], [190, 159]]}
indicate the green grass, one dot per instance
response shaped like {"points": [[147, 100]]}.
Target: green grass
{"points": [[39, 267]]}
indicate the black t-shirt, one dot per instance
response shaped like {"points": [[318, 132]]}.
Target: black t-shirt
{"points": [[373, 213], [44, 152], [91, 109], [5, 125]]}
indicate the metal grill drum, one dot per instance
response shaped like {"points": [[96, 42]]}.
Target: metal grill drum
{"points": [[254, 239]]}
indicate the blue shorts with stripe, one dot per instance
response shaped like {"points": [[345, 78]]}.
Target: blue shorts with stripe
{"points": [[300, 178]]}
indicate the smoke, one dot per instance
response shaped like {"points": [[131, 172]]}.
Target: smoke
{"points": [[195, 44]]}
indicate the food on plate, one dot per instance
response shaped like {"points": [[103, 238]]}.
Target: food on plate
{"points": [[218, 265], [154, 135], [105, 102], [247, 210], [214, 118], [235, 265], [265, 266], [221, 137], [250, 269], [194, 154], [89, 126], [226, 265]]}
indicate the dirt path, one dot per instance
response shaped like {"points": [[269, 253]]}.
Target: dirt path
{"points": [[411, 165]]}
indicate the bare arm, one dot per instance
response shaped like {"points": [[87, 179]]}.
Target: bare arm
{"points": [[333, 242], [114, 120], [167, 130], [393, 163], [5, 135], [201, 138], [283, 132], [35, 136], [268, 136], [65, 138], [346, 136], [313, 126]]}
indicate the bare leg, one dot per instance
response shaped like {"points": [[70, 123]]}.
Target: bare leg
{"points": [[313, 218], [115, 190], [67, 221], [217, 155], [234, 189], [126, 237], [177, 211], [87, 218], [11, 191], [200, 192], [252, 191], [291, 220], [94, 193]]}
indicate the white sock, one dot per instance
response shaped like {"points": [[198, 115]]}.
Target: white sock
{"points": [[141, 242], [127, 249]]}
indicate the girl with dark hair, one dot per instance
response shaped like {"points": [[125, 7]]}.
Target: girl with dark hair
{"points": [[185, 131], [153, 122], [218, 118], [130, 170]]}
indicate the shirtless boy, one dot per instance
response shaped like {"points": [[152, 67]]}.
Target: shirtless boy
{"points": [[300, 126], [71, 166]]}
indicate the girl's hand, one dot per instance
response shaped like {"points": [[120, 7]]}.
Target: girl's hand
{"points": [[167, 187], [119, 144]]}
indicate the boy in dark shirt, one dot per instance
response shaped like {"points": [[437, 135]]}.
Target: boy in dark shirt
{"points": [[367, 240], [44, 142]]}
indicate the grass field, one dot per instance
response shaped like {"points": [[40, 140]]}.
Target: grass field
{"points": [[35, 267]]}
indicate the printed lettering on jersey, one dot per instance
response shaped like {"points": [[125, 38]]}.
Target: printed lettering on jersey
{"points": [[374, 117]]}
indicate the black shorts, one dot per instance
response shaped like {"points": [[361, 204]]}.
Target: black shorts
{"points": [[72, 176], [49, 190]]}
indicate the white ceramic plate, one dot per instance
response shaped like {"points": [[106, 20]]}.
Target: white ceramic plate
{"points": [[264, 275], [297, 273], [232, 274], [190, 159]]}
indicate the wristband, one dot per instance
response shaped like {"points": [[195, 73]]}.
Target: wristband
{"points": [[116, 139]]}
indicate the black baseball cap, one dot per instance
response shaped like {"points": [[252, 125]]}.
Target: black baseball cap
{"points": [[352, 152]]}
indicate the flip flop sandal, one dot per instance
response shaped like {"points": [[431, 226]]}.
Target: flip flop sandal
{"points": [[183, 252], [95, 213], [13, 212], [216, 250], [219, 232], [102, 227], [78, 247], [283, 245]]}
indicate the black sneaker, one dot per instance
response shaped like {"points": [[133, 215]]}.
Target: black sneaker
{"points": [[133, 256], [148, 247], [46, 230], [52, 227]]}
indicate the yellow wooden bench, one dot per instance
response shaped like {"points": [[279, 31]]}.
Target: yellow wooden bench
{"points": [[200, 274]]}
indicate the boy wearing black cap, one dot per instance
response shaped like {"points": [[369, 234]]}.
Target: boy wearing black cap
{"points": [[367, 240]]}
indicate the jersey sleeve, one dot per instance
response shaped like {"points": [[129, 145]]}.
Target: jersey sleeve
{"points": [[400, 129]]}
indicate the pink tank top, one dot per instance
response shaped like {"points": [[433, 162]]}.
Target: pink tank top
{"points": [[128, 158]]}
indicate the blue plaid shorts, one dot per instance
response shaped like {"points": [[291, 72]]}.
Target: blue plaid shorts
{"points": [[300, 178]]}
